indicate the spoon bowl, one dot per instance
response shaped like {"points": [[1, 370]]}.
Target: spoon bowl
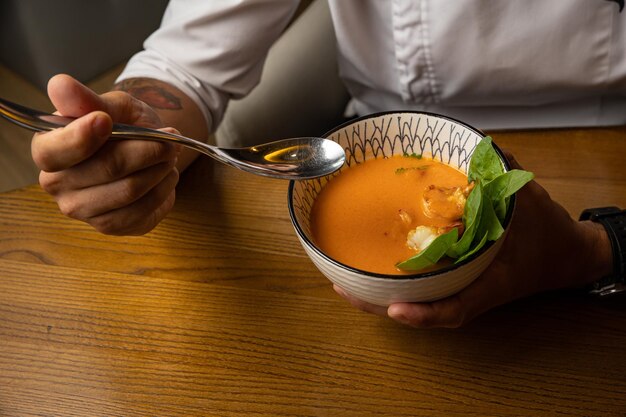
{"points": [[292, 159]]}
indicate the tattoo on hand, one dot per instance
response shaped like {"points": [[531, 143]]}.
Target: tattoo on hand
{"points": [[151, 94]]}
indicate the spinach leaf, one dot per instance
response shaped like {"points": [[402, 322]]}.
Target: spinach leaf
{"points": [[432, 253], [507, 184], [471, 218], [500, 208], [504, 186], [485, 164], [474, 249], [489, 222]]}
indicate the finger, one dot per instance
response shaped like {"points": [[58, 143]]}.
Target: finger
{"points": [[141, 216], [94, 201], [487, 291], [361, 305], [73, 99], [115, 160], [62, 148], [442, 313]]}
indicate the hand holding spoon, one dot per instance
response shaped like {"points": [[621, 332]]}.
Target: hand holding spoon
{"points": [[293, 159]]}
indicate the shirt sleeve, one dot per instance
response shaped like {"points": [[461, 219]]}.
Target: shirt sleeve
{"points": [[212, 50]]}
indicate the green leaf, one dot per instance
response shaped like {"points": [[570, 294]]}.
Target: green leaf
{"points": [[402, 170], [474, 249], [432, 253], [489, 222], [501, 188], [507, 184], [489, 227], [485, 164], [471, 219], [500, 209]]}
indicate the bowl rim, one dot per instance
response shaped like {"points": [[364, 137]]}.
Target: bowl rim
{"points": [[415, 276]]}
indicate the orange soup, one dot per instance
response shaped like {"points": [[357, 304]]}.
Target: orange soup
{"points": [[362, 216]]}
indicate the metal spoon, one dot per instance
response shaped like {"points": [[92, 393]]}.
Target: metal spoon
{"points": [[294, 159]]}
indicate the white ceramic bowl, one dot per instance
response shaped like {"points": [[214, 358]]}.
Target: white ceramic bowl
{"points": [[378, 136]]}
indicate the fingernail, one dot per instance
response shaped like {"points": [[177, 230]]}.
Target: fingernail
{"points": [[391, 312], [101, 126]]}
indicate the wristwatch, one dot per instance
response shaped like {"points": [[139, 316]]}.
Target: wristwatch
{"points": [[614, 221]]}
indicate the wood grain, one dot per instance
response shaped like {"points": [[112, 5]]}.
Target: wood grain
{"points": [[220, 312], [133, 345], [581, 168]]}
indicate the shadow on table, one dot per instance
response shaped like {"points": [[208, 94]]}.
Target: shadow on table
{"points": [[559, 330]]}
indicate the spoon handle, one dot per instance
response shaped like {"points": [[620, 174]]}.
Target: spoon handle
{"points": [[122, 131], [38, 121]]}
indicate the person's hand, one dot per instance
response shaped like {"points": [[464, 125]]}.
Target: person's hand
{"points": [[545, 249], [121, 187]]}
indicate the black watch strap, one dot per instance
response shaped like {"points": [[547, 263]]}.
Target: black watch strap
{"points": [[614, 221]]}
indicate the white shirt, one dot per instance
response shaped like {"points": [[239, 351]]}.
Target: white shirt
{"points": [[493, 64]]}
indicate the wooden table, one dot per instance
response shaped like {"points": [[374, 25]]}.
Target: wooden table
{"points": [[220, 312]]}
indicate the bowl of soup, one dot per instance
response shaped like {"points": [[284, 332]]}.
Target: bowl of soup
{"points": [[404, 184]]}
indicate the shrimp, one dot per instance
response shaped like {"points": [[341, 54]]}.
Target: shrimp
{"points": [[445, 202]]}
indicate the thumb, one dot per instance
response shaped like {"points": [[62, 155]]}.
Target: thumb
{"points": [[71, 98]]}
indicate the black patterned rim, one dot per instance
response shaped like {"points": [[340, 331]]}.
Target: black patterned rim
{"points": [[313, 246]]}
